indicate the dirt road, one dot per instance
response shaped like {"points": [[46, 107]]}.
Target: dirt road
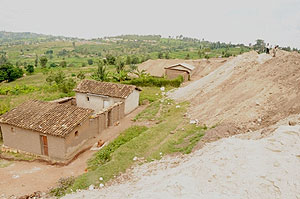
{"points": [[20, 178]]}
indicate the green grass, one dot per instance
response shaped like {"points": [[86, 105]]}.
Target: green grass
{"points": [[18, 156], [149, 113], [148, 145], [104, 155]]}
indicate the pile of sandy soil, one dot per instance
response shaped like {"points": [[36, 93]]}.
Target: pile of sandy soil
{"points": [[235, 167], [202, 66], [250, 91]]}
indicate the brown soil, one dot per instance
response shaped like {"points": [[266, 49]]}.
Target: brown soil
{"points": [[22, 178], [202, 66], [250, 96]]}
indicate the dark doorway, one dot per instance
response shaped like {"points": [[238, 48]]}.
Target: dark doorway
{"points": [[109, 118]]}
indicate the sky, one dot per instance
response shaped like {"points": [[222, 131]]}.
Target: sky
{"points": [[236, 21]]}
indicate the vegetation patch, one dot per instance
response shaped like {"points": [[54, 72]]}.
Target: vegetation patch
{"points": [[63, 185], [155, 81], [104, 155], [18, 89], [17, 156], [149, 113]]}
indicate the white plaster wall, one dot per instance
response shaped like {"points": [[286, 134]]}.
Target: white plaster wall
{"points": [[95, 102], [132, 101]]}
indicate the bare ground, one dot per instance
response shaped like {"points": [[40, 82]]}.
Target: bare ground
{"points": [[256, 95]]}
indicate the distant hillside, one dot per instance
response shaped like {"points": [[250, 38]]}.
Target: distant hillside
{"points": [[16, 38]]}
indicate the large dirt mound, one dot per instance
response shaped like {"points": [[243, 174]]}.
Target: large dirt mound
{"points": [[234, 167], [250, 91], [202, 66]]}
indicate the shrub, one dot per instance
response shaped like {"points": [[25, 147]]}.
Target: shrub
{"points": [[16, 90], [65, 85], [63, 64], [9, 72], [30, 69], [90, 62], [53, 65], [154, 81], [43, 61], [64, 184]]}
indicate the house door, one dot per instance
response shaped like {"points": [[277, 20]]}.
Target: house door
{"points": [[109, 118], [44, 144]]}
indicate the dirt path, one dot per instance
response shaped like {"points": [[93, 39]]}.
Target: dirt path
{"points": [[20, 178]]}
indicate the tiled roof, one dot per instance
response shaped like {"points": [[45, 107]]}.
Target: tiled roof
{"points": [[105, 88], [185, 65], [46, 117]]}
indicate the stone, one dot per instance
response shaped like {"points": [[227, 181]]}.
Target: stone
{"points": [[259, 119], [101, 185], [178, 106], [91, 187], [162, 88], [100, 178], [135, 158], [292, 123]]}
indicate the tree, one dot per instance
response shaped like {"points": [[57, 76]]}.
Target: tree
{"points": [[9, 72], [3, 60], [59, 78], [110, 59], [187, 56], [36, 61], [160, 55], [133, 67], [141, 73], [43, 61], [167, 55], [121, 76], [259, 46], [67, 85], [135, 60], [120, 65], [101, 74], [128, 60], [30, 69], [90, 62]]}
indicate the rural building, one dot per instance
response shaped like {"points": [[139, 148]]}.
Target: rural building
{"points": [[183, 69], [46, 128], [55, 130], [100, 95]]}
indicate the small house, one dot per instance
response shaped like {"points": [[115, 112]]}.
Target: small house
{"points": [[183, 69], [57, 131], [100, 95]]}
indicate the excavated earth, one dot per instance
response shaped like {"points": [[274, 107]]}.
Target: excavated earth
{"points": [[253, 95]]}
